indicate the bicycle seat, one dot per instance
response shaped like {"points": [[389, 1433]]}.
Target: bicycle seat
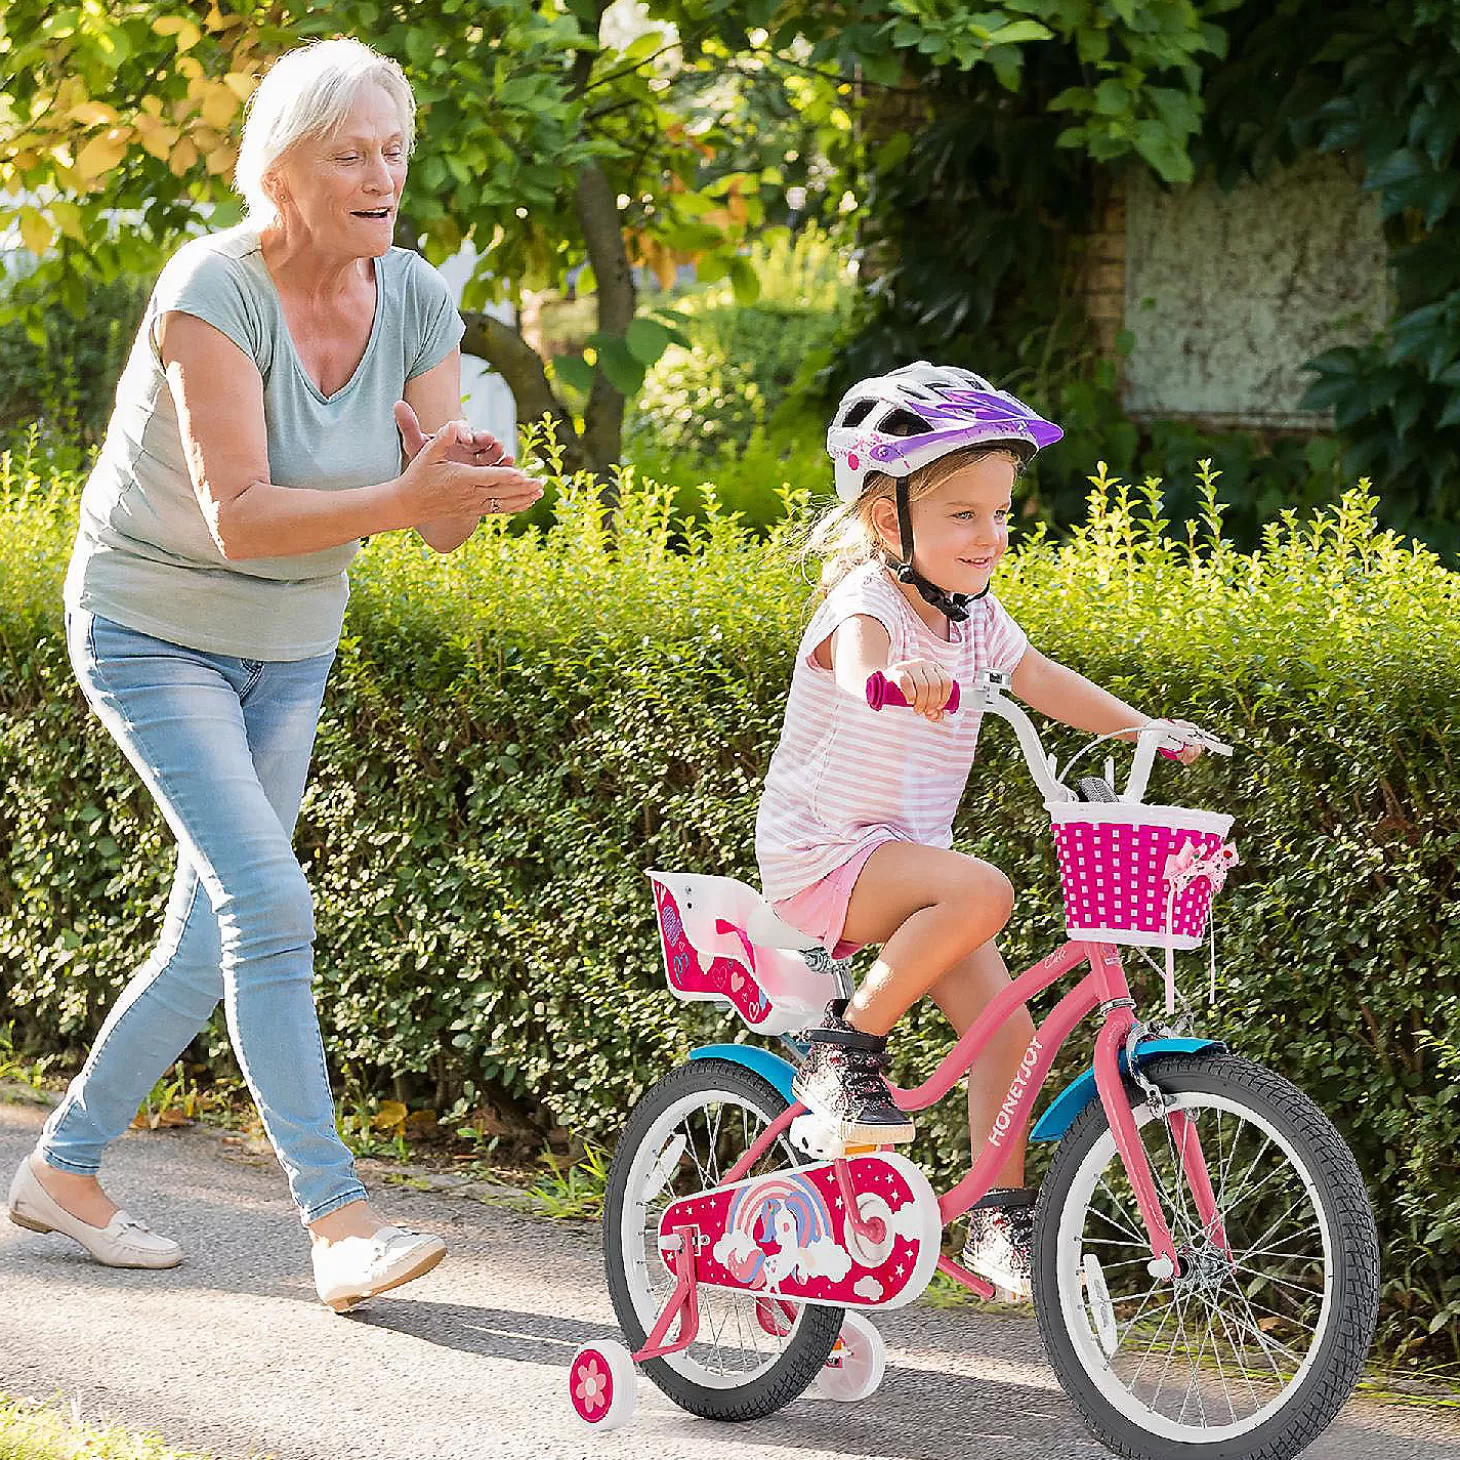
{"points": [[722, 940]]}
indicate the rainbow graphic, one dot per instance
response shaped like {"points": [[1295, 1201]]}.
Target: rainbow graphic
{"points": [[766, 1212]]}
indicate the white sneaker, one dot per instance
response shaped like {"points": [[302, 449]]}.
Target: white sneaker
{"points": [[349, 1271], [123, 1242]]}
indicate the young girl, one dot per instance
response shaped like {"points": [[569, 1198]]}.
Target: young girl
{"points": [[854, 832]]}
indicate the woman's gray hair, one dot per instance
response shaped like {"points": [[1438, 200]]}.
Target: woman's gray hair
{"points": [[309, 93]]}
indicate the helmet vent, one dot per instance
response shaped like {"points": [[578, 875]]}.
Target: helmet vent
{"points": [[900, 422], [858, 412]]}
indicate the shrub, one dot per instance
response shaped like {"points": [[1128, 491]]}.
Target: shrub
{"points": [[516, 732], [62, 376], [738, 409]]}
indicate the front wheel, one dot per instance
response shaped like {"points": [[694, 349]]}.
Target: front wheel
{"points": [[753, 1354], [1255, 1344]]}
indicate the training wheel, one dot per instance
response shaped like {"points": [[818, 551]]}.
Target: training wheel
{"points": [[602, 1385], [857, 1363]]}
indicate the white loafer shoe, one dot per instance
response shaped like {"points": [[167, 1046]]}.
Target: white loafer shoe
{"points": [[123, 1242], [355, 1268]]}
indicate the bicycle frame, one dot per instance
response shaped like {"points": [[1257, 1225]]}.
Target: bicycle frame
{"points": [[1104, 988]]}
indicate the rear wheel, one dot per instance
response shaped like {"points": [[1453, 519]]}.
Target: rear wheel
{"points": [[753, 1354], [1249, 1351]]}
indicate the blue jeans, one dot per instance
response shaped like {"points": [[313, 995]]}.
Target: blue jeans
{"points": [[223, 745]]}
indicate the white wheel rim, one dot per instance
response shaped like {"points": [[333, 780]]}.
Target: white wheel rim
{"points": [[733, 1348], [1218, 1398]]}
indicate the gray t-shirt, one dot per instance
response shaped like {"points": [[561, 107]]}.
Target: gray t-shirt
{"points": [[144, 557]]}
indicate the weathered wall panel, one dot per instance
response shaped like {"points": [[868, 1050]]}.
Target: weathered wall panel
{"points": [[1227, 294]]}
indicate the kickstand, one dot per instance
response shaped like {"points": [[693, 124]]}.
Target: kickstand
{"points": [[683, 1301]]}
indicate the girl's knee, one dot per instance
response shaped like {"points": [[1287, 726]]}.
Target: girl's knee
{"points": [[986, 887]]}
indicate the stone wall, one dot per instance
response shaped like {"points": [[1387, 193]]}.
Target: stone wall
{"points": [[1226, 294]]}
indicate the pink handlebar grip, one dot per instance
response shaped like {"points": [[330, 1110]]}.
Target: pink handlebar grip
{"points": [[881, 691]]}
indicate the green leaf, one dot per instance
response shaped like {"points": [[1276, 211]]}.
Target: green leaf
{"points": [[712, 267], [1020, 32], [1399, 166], [1450, 416], [575, 371], [1111, 98], [517, 91], [647, 340], [744, 281], [1164, 152], [1092, 43], [892, 152], [623, 372], [1008, 64]]}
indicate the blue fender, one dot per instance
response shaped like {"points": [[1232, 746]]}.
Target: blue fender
{"points": [[1059, 1115], [760, 1061]]}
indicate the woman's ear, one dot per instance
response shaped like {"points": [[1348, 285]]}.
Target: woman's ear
{"points": [[884, 523], [273, 185]]}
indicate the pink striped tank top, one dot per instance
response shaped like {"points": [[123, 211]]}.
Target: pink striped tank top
{"points": [[845, 778]]}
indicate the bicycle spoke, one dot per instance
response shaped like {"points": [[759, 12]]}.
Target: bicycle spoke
{"points": [[1227, 1204], [1119, 1227], [1131, 1218], [1160, 1329], [1293, 1256], [1282, 1282], [1241, 1360], [1256, 1330], [1178, 1172], [1273, 1228]]}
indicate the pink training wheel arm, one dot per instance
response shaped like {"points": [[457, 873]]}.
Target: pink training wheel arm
{"points": [[881, 691]]}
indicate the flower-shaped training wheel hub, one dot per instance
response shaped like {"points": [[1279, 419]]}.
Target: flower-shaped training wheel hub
{"points": [[592, 1385], [602, 1385]]}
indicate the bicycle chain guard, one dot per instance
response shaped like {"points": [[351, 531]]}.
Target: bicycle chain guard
{"points": [[786, 1235]]}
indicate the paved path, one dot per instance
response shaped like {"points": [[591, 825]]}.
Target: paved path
{"points": [[232, 1354]]}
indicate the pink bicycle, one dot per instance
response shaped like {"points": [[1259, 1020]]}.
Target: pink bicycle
{"points": [[1205, 1259]]}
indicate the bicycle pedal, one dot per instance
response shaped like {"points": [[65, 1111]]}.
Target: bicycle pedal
{"points": [[814, 1136]]}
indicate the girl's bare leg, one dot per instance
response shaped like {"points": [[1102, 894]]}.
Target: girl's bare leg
{"points": [[930, 909], [962, 994]]}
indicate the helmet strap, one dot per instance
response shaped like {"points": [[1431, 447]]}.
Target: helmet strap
{"points": [[953, 605]]}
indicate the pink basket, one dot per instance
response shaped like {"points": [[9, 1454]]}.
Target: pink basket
{"points": [[1113, 860]]}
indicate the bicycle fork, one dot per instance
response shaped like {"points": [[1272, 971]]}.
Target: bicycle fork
{"points": [[1110, 1042]]}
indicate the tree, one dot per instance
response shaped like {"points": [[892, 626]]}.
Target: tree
{"points": [[547, 146], [549, 149]]}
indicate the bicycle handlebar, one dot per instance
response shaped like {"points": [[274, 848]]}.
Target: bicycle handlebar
{"points": [[1153, 738], [881, 692]]}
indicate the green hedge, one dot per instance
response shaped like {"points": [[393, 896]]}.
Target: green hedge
{"points": [[515, 733]]}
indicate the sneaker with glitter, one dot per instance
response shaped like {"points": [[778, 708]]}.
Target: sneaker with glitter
{"points": [[841, 1081], [1001, 1239]]}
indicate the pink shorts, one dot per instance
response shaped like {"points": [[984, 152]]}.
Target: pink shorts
{"points": [[821, 909]]}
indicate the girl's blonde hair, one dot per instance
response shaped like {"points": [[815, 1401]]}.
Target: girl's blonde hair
{"points": [[845, 537]]}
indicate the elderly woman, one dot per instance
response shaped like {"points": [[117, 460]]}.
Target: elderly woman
{"points": [[257, 438]]}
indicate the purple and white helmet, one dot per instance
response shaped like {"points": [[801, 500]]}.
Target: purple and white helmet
{"points": [[898, 422]]}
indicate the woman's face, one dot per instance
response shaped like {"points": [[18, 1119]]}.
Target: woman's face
{"points": [[344, 191], [961, 528]]}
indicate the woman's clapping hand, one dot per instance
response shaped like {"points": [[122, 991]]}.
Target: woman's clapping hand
{"points": [[459, 472]]}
